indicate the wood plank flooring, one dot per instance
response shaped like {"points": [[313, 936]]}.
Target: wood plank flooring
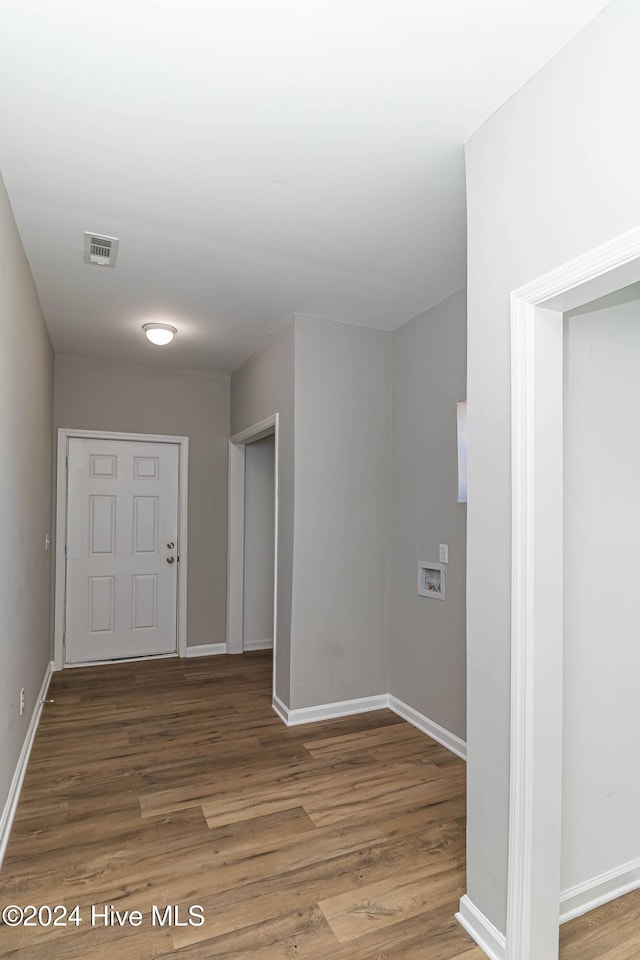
{"points": [[172, 782]]}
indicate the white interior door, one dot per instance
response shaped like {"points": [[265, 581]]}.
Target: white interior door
{"points": [[122, 549]]}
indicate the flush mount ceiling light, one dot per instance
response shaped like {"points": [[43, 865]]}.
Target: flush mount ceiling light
{"points": [[159, 333]]}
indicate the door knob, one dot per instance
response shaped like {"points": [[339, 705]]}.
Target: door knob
{"points": [[171, 559], [170, 546]]}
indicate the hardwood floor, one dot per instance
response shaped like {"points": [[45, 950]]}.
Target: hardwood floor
{"points": [[172, 782], [612, 932]]}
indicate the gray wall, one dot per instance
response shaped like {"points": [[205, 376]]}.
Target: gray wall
{"points": [[551, 175], [335, 517], [342, 462], [601, 743], [259, 537], [90, 395], [428, 637], [262, 386], [26, 403]]}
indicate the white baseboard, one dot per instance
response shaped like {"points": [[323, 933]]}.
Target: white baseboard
{"points": [[206, 650], [430, 727], [342, 708], [281, 709], [593, 893], [9, 812], [257, 645], [480, 929], [345, 708]]}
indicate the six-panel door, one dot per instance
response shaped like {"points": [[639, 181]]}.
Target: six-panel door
{"points": [[122, 556]]}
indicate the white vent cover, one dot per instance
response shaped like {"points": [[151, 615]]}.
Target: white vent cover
{"points": [[100, 250]]}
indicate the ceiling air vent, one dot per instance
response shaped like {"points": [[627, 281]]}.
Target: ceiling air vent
{"points": [[100, 250]]}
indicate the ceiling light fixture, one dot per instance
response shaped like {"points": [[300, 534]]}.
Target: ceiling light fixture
{"points": [[159, 333]]}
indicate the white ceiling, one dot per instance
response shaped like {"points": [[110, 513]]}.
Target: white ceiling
{"points": [[256, 158]]}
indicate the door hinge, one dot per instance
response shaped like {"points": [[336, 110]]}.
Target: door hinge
{"points": [[67, 458], [65, 550], [64, 640]]}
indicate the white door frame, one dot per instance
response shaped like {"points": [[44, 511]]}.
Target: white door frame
{"points": [[60, 599], [235, 557], [535, 807]]}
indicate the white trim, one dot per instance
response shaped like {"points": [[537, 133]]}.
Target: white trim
{"points": [[430, 727], [383, 701], [11, 805], [605, 268], [183, 528], [593, 893], [276, 494], [281, 709], [206, 650], [341, 708], [480, 929], [533, 883], [60, 561], [263, 428], [64, 434], [258, 645], [235, 550]]}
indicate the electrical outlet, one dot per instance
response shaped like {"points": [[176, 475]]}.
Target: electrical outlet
{"points": [[444, 553], [22, 702]]}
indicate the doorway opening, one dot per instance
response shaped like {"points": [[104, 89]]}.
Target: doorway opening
{"points": [[252, 576], [601, 777], [259, 538], [537, 596]]}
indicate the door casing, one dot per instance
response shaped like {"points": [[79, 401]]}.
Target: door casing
{"points": [[64, 434], [537, 312]]}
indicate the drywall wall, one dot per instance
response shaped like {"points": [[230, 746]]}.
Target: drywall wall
{"points": [[26, 409], [428, 636], [342, 469], [335, 610], [551, 175], [131, 398], [259, 539], [262, 386], [601, 756]]}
